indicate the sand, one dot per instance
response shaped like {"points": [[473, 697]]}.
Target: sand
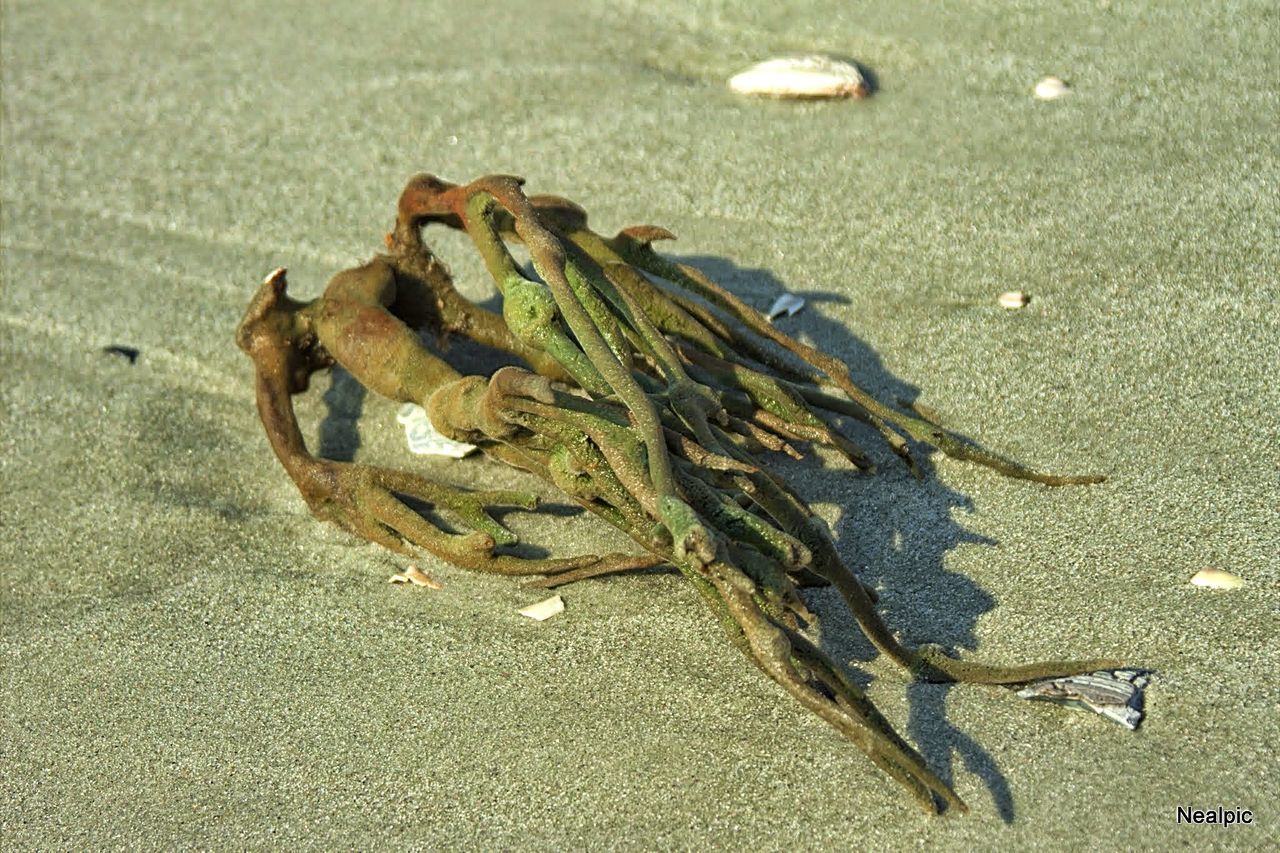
{"points": [[191, 660]]}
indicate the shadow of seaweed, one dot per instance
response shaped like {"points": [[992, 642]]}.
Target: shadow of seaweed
{"points": [[892, 529], [339, 437]]}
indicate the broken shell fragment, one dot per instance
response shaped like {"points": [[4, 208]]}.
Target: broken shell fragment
{"points": [[424, 439], [1212, 578], [787, 303], [1115, 694], [814, 76], [420, 578], [1050, 88], [1013, 299], [544, 610]]}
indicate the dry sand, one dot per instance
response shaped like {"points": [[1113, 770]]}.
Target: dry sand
{"points": [[189, 659]]}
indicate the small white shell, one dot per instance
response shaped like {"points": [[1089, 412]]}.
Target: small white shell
{"points": [[787, 303], [1013, 299], [423, 438], [815, 76], [1050, 88], [544, 609], [1211, 578]]}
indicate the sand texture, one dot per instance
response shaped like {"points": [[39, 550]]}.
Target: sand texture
{"points": [[191, 660]]}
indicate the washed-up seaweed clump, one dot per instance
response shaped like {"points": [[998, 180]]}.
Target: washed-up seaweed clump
{"points": [[652, 396]]}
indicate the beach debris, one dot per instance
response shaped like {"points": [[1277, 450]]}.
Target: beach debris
{"points": [[129, 353], [812, 76], [424, 439], [417, 577], [543, 610], [1115, 694], [1050, 88], [787, 303], [1013, 299], [1211, 578]]}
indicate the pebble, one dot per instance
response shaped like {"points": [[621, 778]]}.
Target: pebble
{"points": [[815, 76]]}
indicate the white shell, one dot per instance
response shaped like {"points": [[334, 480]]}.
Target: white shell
{"points": [[1050, 88], [813, 76], [1217, 579], [787, 303], [1013, 299], [423, 438], [544, 609]]}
